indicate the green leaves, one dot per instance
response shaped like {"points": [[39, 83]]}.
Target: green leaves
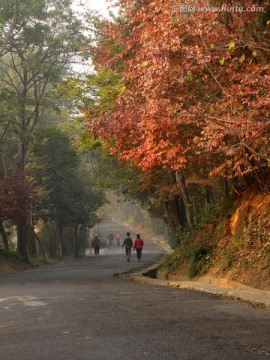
{"points": [[231, 45], [189, 77], [175, 20], [242, 58], [144, 64], [222, 61]]}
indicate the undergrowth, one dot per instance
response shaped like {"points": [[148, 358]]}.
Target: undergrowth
{"points": [[37, 260], [198, 257], [9, 255], [200, 260], [196, 249]]}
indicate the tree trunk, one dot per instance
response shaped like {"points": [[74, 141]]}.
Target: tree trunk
{"points": [[183, 213], [226, 188], [180, 181], [4, 236], [77, 230], [39, 243], [22, 239], [31, 244], [32, 249], [168, 214], [209, 198], [54, 244], [75, 242], [22, 224], [179, 212], [60, 247]]}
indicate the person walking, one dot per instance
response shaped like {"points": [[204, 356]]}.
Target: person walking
{"points": [[128, 243], [138, 246], [117, 238], [96, 244], [110, 237]]}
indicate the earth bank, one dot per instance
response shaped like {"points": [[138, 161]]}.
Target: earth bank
{"points": [[229, 250]]}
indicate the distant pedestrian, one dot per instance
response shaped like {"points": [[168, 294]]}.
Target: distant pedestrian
{"points": [[110, 237], [128, 243], [96, 244], [138, 246], [117, 238]]}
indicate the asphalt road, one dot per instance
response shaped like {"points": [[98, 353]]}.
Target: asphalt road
{"points": [[78, 310]]}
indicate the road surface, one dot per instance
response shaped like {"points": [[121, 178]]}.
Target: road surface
{"points": [[78, 310]]}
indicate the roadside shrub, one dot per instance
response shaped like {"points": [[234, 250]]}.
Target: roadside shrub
{"points": [[200, 260], [209, 213], [9, 255], [37, 260]]}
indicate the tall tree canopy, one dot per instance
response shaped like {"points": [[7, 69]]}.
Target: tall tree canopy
{"points": [[193, 85], [40, 40]]}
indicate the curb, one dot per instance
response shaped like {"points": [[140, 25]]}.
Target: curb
{"points": [[254, 297]]}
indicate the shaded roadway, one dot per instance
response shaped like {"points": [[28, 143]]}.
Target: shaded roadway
{"points": [[78, 310]]}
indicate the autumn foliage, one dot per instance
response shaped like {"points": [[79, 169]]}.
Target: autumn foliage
{"points": [[195, 88], [14, 194]]}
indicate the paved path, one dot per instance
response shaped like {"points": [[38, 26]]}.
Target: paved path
{"points": [[78, 310]]}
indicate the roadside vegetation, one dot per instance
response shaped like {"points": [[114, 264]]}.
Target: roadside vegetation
{"points": [[171, 124]]}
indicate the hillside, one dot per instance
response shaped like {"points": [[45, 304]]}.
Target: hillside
{"points": [[232, 247]]}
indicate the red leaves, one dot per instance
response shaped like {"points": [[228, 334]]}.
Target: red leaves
{"points": [[195, 85], [13, 197]]}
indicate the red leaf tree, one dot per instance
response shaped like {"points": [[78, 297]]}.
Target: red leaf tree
{"points": [[195, 85], [14, 194]]}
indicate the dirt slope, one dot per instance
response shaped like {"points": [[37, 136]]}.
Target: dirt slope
{"points": [[13, 265], [232, 248]]}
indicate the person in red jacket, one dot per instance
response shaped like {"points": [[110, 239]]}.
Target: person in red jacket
{"points": [[96, 244], [138, 246]]}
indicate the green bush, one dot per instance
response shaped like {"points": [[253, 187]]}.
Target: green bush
{"points": [[9, 255], [199, 261], [37, 260], [209, 213]]}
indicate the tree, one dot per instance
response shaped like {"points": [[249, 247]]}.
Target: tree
{"points": [[189, 101], [176, 99], [66, 194], [7, 22], [14, 198], [46, 37]]}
